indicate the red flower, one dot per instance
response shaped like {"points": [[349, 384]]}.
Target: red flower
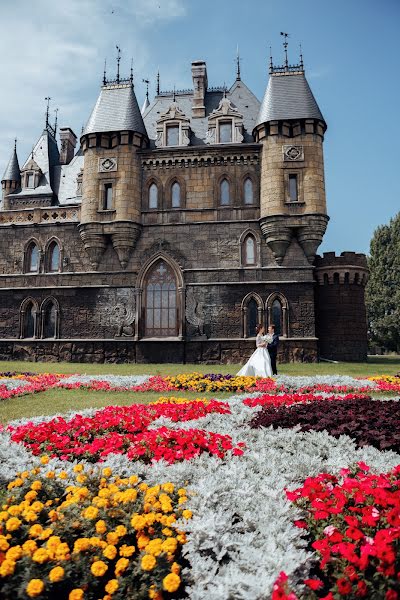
{"points": [[314, 584], [343, 586], [391, 595]]}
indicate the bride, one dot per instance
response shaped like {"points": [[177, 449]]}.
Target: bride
{"points": [[259, 363]]}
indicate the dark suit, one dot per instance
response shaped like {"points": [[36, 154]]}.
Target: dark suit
{"points": [[273, 351]]}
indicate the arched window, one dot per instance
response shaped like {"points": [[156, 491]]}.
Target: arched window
{"points": [[248, 191], [28, 316], [161, 301], [49, 317], [224, 192], [153, 196], [53, 261], [252, 318], [175, 195], [277, 313], [277, 316], [249, 251], [32, 258], [252, 314]]}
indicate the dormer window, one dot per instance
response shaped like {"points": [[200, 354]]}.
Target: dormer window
{"points": [[172, 135], [30, 180], [31, 174], [225, 132]]}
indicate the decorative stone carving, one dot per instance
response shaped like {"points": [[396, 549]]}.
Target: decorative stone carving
{"points": [[173, 116], [107, 165], [193, 313], [226, 111], [293, 153], [123, 317]]}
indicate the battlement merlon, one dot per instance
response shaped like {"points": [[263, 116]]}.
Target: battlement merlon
{"points": [[348, 268]]}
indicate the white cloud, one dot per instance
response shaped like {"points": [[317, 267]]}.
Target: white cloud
{"points": [[57, 49]]}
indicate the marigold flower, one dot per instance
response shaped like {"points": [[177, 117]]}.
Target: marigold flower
{"points": [[56, 574], [34, 588], [29, 547], [121, 530], [91, 512], [44, 459], [187, 514], [120, 566], [7, 567], [14, 553], [169, 545], [101, 526], [171, 582], [107, 472], [110, 552], [78, 468], [148, 562], [112, 586], [36, 486], [13, 524], [175, 568], [127, 551], [112, 538], [41, 555], [98, 568], [76, 594]]}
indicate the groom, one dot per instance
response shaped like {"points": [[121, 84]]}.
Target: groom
{"points": [[273, 348]]}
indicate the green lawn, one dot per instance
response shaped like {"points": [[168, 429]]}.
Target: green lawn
{"points": [[61, 401]]}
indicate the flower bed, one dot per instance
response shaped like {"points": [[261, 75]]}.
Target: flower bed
{"points": [[100, 537], [353, 523], [26, 384]]}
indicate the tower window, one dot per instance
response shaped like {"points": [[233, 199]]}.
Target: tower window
{"points": [[153, 196], [30, 180], [225, 132], [224, 192], [54, 257], [249, 251], [32, 259], [248, 191], [176, 195], [172, 135], [293, 188], [108, 196]]}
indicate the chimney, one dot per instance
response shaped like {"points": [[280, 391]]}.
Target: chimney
{"points": [[68, 143], [199, 75]]}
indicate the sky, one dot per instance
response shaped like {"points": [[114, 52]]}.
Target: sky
{"points": [[351, 56]]}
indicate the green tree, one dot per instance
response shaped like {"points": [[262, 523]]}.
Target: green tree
{"points": [[383, 288]]}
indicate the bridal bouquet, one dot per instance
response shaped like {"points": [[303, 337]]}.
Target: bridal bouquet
{"points": [[268, 338]]}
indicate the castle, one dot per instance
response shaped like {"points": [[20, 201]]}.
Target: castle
{"points": [[167, 233]]}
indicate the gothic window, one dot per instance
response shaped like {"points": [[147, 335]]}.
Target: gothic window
{"points": [[161, 301], [248, 191], [293, 188], [277, 313], [172, 135], [49, 320], [175, 195], [32, 258], [108, 196], [153, 196], [53, 257], [225, 132], [252, 314], [252, 318], [28, 320], [249, 251], [224, 193]]}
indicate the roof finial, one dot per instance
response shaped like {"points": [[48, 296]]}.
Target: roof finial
{"points": [[224, 90], [55, 122], [147, 82], [301, 58], [271, 66], [105, 72], [15, 144], [285, 45], [131, 77], [158, 82], [82, 129], [47, 109], [32, 152], [237, 64], [173, 96], [118, 61]]}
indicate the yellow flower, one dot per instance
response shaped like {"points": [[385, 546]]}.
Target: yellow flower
{"points": [[175, 568], [170, 545], [120, 566], [148, 562], [107, 472], [35, 530], [13, 523], [56, 574], [34, 588], [110, 552], [168, 487], [98, 568], [14, 553], [112, 586], [90, 512], [53, 542], [112, 538], [78, 468], [40, 556], [81, 478], [81, 544], [36, 486], [29, 547], [126, 550], [7, 567], [62, 552], [46, 533], [181, 492], [121, 530], [182, 500], [31, 495], [154, 547], [30, 516], [62, 475], [101, 526], [50, 475], [187, 514], [3, 515], [142, 541], [44, 459], [76, 594], [4, 545], [104, 493], [133, 479], [37, 506], [171, 582]]}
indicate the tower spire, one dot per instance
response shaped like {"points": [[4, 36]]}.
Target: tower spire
{"points": [[237, 64], [271, 65], [47, 110], [285, 45], [118, 61], [301, 58], [55, 121], [105, 72], [158, 82], [131, 77]]}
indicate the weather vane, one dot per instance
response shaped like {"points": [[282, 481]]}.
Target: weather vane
{"points": [[47, 109], [147, 82], [118, 61]]}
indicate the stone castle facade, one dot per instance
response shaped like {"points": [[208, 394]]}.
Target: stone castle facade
{"points": [[171, 231]]}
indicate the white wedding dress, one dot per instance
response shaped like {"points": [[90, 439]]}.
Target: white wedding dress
{"points": [[259, 363]]}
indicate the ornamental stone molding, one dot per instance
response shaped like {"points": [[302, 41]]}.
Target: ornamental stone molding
{"points": [[107, 165], [292, 153], [173, 116], [226, 111]]}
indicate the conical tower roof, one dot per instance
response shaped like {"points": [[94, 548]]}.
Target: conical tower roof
{"points": [[116, 109], [12, 172]]}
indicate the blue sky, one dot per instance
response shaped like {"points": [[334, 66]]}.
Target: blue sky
{"points": [[351, 57]]}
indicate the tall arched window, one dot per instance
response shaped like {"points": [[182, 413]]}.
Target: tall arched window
{"points": [[224, 192], [28, 316], [49, 320], [277, 316], [32, 258], [252, 318], [53, 260], [252, 314], [175, 195], [249, 251], [161, 301], [153, 196], [248, 191], [277, 312]]}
